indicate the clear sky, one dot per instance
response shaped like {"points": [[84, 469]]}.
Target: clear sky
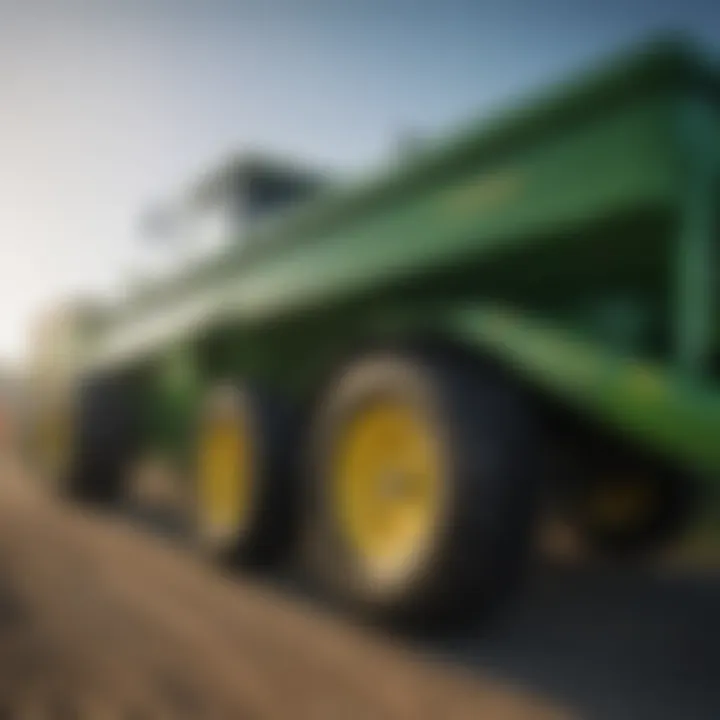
{"points": [[108, 105]]}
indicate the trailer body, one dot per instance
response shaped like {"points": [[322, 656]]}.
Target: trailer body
{"points": [[574, 240]]}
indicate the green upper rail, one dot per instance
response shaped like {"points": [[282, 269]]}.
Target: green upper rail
{"points": [[662, 64], [492, 187]]}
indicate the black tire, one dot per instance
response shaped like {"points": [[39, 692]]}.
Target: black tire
{"points": [[480, 540], [268, 528], [102, 441]]}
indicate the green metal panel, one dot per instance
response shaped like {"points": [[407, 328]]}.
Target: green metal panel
{"points": [[699, 234]]}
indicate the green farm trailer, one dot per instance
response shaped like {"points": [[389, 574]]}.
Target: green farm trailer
{"points": [[389, 383]]}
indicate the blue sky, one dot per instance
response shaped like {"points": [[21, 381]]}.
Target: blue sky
{"points": [[108, 105]]}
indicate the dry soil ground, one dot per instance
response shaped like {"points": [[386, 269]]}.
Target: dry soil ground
{"points": [[98, 620]]}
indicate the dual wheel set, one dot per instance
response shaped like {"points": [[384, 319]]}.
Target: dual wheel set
{"points": [[410, 491]]}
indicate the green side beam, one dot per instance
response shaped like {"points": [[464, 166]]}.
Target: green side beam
{"points": [[666, 413], [697, 254]]}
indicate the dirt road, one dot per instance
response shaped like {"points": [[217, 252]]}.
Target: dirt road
{"points": [[99, 621]]}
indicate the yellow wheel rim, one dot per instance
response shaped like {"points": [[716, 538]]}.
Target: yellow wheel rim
{"points": [[223, 477], [387, 481]]}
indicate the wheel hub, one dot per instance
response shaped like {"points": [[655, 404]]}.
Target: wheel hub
{"points": [[387, 482]]}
